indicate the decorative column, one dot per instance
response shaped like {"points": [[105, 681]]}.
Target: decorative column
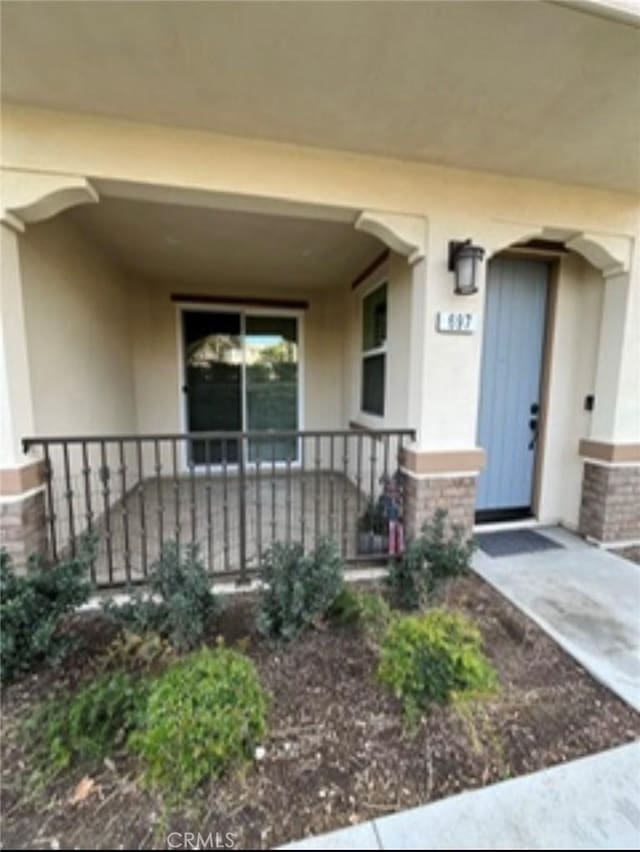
{"points": [[22, 506], [610, 503], [441, 467], [27, 198]]}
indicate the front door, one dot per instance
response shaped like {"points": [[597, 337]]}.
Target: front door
{"points": [[241, 374], [512, 357]]}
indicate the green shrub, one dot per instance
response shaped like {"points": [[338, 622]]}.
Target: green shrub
{"points": [[180, 601], [448, 553], [298, 588], [32, 606], [368, 610], [87, 725], [410, 579], [438, 553], [204, 715], [433, 657]]}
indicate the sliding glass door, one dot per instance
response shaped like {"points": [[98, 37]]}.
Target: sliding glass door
{"points": [[241, 374], [271, 386]]}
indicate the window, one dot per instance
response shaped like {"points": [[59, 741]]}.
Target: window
{"points": [[374, 350]]}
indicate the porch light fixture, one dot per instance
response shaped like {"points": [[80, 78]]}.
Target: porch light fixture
{"points": [[464, 261]]}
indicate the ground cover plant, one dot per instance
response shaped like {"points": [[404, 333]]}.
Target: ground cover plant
{"points": [[434, 657], [204, 715]]}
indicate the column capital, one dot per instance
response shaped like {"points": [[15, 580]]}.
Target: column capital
{"points": [[29, 197], [404, 234]]}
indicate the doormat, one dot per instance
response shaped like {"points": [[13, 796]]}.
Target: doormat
{"points": [[514, 542]]}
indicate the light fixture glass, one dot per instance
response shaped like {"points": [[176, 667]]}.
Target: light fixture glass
{"points": [[464, 262]]}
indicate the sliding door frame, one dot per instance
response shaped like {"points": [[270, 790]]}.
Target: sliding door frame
{"points": [[243, 311]]}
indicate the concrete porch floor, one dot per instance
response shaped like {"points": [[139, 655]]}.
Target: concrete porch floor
{"points": [[586, 598], [280, 507]]}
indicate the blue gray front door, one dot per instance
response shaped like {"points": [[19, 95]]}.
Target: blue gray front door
{"points": [[512, 355]]}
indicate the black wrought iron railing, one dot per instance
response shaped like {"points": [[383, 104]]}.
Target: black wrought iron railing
{"points": [[232, 494]]}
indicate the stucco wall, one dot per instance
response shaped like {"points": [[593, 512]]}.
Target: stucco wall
{"points": [[397, 273], [77, 314], [179, 165], [575, 331], [77, 323], [495, 210], [106, 148], [103, 352], [156, 341]]}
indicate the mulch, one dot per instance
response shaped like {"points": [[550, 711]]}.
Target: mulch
{"points": [[337, 752], [632, 553]]}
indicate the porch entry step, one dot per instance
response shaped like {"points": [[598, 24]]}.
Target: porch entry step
{"points": [[514, 542]]}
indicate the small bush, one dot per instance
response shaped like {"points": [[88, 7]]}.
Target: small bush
{"points": [[410, 579], [136, 652], [204, 715], [87, 725], [181, 600], [430, 658], [299, 588], [448, 555], [368, 610], [434, 556], [32, 606]]}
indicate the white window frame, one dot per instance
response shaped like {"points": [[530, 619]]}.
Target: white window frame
{"points": [[243, 310], [375, 419]]}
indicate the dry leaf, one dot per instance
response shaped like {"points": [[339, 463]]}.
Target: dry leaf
{"points": [[85, 787]]}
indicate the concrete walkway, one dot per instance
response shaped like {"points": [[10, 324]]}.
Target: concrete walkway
{"points": [[587, 599], [591, 803]]}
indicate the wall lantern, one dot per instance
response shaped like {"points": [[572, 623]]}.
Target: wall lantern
{"points": [[464, 261]]}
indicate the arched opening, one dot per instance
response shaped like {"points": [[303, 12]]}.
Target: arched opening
{"points": [[544, 303]]}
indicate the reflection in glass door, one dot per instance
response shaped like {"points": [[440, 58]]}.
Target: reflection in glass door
{"points": [[241, 374], [213, 380], [271, 368]]}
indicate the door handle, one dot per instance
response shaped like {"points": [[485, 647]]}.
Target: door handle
{"points": [[533, 425]]}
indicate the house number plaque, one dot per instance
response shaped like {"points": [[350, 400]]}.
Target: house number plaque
{"points": [[457, 322]]}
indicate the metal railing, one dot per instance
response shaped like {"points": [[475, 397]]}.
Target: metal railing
{"points": [[232, 494]]}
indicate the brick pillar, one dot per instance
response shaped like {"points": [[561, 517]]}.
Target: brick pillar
{"points": [[610, 505], [23, 530], [440, 480], [423, 496]]}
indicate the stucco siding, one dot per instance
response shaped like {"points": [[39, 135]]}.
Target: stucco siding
{"points": [[575, 332], [77, 324], [157, 342], [396, 272]]}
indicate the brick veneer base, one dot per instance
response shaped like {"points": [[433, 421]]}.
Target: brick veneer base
{"points": [[610, 506], [22, 527], [456, 494]]}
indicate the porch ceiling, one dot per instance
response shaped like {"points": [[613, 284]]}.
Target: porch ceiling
{"points": [[205, 247], [536, 89]]}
